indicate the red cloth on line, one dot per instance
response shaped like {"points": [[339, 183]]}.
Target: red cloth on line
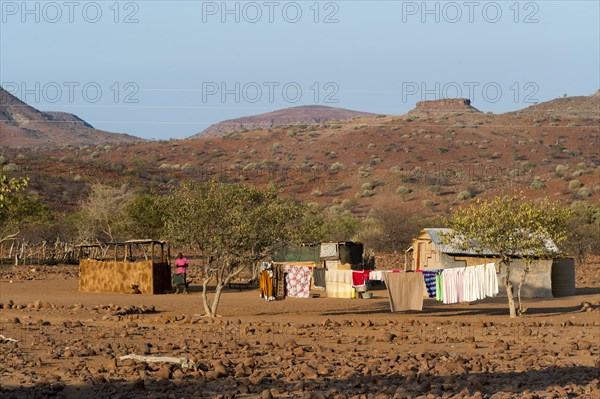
{"points": [[358, 277], [366, 274]]}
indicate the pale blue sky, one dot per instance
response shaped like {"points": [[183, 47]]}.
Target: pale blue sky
{"points": [[172, 65]]}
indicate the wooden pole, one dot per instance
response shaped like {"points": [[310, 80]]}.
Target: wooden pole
{"points": [[169, 254]]}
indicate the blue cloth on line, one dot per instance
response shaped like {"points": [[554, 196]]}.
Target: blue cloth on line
{"points": [[429, 276]]}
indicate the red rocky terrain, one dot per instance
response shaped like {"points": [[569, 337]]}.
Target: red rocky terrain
{"points": [[60, 343]]}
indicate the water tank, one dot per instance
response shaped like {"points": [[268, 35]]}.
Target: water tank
{"points": [[563, 277]]}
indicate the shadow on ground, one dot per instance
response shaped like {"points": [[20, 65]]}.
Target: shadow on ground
{"points": [[560, 381]]}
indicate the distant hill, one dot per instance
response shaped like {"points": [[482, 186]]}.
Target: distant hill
{"points": [[24, 126], [444, 106], [427, 162], [67, 117], [578, 106], [282, 117]]}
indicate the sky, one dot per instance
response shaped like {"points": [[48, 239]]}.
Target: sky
{"points": [[169, 69]]}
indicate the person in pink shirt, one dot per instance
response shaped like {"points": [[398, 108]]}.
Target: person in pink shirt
{"points": [[181, 263]]}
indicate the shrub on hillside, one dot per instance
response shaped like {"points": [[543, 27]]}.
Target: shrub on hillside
{"points": [[336, 166], [537, 184], [561, 169], [11, 167], [584, 193], [250, 166], [575, 184], [365, 193], [403, 190], [463, 195]]}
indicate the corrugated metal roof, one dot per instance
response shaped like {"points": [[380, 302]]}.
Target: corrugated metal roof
{"points": [[455, 247]]}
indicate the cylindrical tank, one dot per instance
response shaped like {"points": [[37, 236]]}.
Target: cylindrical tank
{"points": [[563, 277]]}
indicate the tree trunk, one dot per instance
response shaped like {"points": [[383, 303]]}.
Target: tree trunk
{"points": [[509, 289], [511, 300], [216, 300], [205, 297], [520, 309]]}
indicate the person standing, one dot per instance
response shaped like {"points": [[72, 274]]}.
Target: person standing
{"points": [[181, 264]]}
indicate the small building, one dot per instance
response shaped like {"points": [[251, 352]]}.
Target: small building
{"points": [[546, 278], [134, 266], [331, 255], [298, 254]]}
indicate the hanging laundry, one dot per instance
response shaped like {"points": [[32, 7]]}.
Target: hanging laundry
{"points": [[338, 283], [479, 283], [266, 285], [319, 277], [366, 275], [453, 285], [271, 282], [376, 275], [467, 284], [430, 279], [405, 291], [279, 282], [358, 278], [469, 292], [265, 266], [490, 280], [439, 286], [297, 281]]}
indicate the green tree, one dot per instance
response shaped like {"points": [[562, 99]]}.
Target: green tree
{"points": [[584, 230], [309, 226], [146, 213], [9, 187], [234, 226], [509, 228], [340, 225], [9, 226], [30, 215]]}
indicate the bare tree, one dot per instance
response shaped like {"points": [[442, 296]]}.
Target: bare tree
{"points": [[104, 214], [392, 229]]}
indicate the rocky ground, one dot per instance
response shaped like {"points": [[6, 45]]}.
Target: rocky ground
{"points": [[59, 343]]}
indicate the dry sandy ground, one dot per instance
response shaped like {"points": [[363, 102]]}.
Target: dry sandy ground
{"points": [[69, 344]]}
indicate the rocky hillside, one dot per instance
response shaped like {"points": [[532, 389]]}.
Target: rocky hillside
{"points": [[444, 106], [282, 117], [579, 106], [420, 162], [73, 119], [24, 126]]}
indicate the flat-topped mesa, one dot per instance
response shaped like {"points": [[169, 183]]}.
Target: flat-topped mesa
{"points": [[445, 105]]}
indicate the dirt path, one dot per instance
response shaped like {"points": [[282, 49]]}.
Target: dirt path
{"points": [[70, 343]]}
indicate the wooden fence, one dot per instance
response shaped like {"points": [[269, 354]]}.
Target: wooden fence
{"points": [[19, 252]]}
